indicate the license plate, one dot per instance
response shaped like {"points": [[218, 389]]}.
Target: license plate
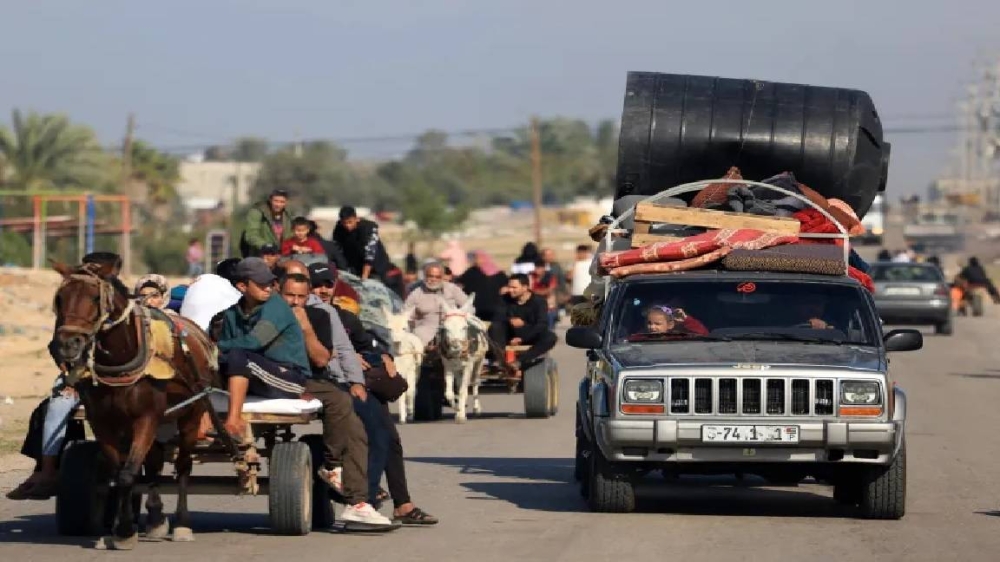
{"points": [[750, 434], [909, 291]]}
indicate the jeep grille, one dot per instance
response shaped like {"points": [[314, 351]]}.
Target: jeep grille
{"points": [[751, 396]]}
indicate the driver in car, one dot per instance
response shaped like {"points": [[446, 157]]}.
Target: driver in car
{"points": [[810, 314]]}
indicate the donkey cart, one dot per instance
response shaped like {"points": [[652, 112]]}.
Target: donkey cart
{"points": [[539, 384], [297, 501]]}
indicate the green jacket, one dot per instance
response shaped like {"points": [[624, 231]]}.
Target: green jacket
{"points": [[257, 230], [271, 330]]}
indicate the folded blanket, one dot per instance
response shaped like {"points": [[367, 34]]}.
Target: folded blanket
{"points": [[671, 266], [693, 246], [793, 258]]}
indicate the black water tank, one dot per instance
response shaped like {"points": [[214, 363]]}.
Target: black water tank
{"points": [[679, 128]]}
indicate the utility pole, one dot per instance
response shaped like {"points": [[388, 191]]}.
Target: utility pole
{"points": [[126, 191], [536, 178]]}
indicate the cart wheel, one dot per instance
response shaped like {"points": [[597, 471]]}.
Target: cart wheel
{"points": [[289, 500], [82, 503], [323, 515], [537, 390], [553, 375]]}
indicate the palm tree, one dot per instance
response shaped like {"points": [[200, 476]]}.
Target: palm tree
{"points": [[42, 152]]}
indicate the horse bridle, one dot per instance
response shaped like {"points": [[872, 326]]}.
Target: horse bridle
{"points": [[105, 307]]}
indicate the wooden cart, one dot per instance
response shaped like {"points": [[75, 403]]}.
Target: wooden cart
{"points": [[297, 500]]}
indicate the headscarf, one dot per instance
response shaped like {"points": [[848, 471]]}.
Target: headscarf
{"points": [[529, 254], [154, 280], [486, 263]]}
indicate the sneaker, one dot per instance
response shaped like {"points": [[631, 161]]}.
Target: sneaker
{"points": [[364, 513], [334, 477]]}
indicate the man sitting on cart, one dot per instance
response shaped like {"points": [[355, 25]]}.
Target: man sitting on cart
{"points": [[427, 300], [262, 346], [522, 320]]}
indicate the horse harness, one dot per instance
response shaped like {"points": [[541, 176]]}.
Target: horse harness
{"points": [[141, 317], [469, 347]]}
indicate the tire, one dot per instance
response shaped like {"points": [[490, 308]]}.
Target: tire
{"points": [[609, 490], [553, 374], [582, 446], [537, 390], [977, 304], [945, 328], [883, 489], [290, 476], [323, 515], [83, 508]]}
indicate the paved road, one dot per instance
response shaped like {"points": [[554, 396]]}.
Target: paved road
{"points": [[503, 489]]}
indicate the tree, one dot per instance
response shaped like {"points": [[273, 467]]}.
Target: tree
{"points": [[249, 149], [158, 172], [429, 210], [42, 152]]}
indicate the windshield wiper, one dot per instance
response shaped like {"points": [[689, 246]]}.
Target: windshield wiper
{"points": [[787, 337]]}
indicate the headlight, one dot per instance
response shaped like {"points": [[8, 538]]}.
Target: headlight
{"points": [[643, 391], [860, 393]]}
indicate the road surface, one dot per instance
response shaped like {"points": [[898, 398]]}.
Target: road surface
{"points": [[503, 489]]}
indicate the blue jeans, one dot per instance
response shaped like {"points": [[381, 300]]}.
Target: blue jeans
{"points": [[57, 417], [378, 442]]}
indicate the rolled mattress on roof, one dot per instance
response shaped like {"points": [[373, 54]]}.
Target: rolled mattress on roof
{"points": [[679, 128]]}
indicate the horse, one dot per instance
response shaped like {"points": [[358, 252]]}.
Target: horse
{"points": [[106, 345], [408, 354], [463, 345]]}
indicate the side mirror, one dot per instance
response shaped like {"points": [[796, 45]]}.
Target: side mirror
{"points": [[904, 340], [583, 337]]}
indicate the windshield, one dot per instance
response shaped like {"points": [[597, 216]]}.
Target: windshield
{"points": [[671, 311], [906, 273]]}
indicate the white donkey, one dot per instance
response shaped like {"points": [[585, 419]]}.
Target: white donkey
{"points": [[462, 341], [408, 354]]}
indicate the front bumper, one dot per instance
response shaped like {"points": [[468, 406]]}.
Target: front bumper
{"points": [[679, 441]]}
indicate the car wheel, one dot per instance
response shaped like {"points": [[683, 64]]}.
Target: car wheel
{"points": [[945, 328], [883, 489], [610, 490]]}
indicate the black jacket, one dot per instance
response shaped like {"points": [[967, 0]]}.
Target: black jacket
{"points": [[362, 246], [534, 312]]}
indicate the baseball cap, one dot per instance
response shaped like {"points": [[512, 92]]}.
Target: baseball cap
{"points": [[321, 273], [347, 212], [254, 269]]}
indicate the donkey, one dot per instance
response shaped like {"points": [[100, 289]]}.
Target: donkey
{"points": [[463, 346], [103, 340], [408, 354]]}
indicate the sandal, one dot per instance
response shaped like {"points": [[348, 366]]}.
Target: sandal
{"points": [[415, 517], [382, 495], [22, 492], [43, 491]]}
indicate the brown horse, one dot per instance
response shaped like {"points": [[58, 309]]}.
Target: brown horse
{"points": [[105, 342]]}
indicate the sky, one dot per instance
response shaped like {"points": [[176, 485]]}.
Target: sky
{"points": [[206, 71]]}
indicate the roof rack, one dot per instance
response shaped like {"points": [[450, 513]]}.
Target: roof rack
{"points": [[615, 227]]}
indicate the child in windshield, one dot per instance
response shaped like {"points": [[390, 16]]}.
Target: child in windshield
{"points": [[663, 320]]}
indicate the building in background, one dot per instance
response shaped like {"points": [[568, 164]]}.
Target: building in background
{"points": [[216, 185]]}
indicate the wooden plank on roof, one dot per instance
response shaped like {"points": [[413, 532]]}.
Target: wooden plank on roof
{"points": [[708, 218]]}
